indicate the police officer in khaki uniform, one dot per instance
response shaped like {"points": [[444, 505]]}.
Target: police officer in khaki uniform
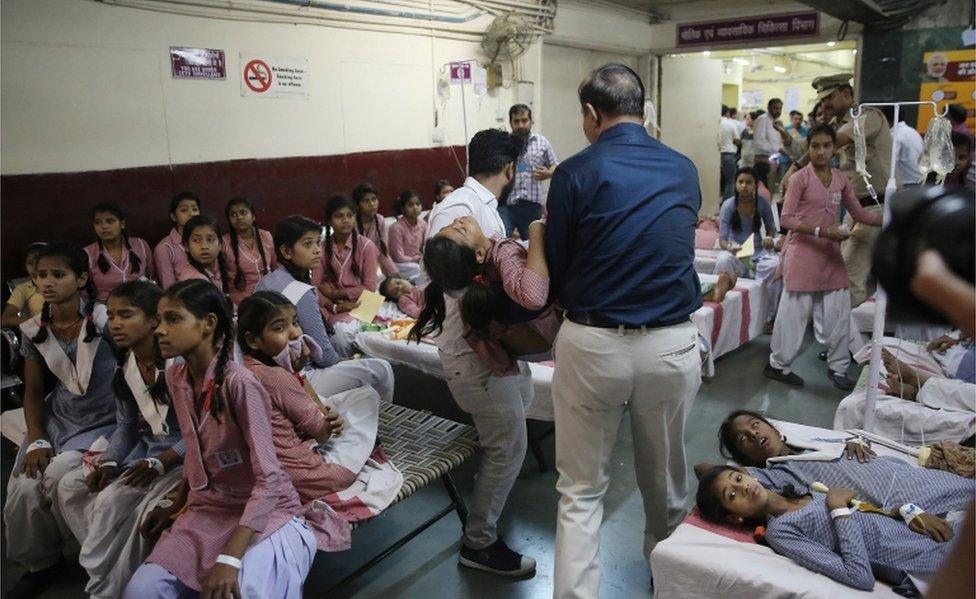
{"points": [[837, 98]]}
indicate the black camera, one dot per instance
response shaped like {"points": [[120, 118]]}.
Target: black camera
{"points": [[923, 218]]}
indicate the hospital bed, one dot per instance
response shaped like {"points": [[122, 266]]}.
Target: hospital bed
{"points": [[703, 560]]}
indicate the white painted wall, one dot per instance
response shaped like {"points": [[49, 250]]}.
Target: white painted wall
{"points": [[565, 67], [87, 86]]}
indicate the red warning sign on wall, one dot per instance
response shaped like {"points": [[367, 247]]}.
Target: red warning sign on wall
{"points": [[257, 76], [274, 76]]}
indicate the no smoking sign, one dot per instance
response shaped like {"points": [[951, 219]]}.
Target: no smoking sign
{"points": [[264, 76], [257, 76]]}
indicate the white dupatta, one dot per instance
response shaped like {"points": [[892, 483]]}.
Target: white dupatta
{"points": [[76, 375]]}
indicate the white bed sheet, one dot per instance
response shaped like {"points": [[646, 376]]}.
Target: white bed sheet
{"points": [[694, 563], [423, 357], [732, 334], [705, 260]]}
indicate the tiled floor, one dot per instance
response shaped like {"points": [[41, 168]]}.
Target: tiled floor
{"points": [[427, 567]]}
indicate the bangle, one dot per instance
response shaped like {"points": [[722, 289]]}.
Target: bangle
{"points": [[164, 503], [229, 561], [156, 464], [111, 463], [816, 231], [909, 512], [39, 444], [840, 513]]}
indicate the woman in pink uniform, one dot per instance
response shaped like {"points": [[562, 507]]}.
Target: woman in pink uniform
{"points": [[242, 533], [116, 258], [170, 255], [407, 236], [815, 279], [249, 251]]}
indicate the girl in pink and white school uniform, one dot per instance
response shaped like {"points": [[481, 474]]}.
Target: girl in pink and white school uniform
{"points": [[116, 258], [242, 533], [407, 236], [505, 286], [813, 269], [327, 445], [408, 297], [249, 251], [348, 268], [169, 254], [370, 224], [204, 258]]}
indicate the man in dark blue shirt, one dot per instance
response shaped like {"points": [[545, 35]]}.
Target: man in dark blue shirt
{"points": [[620, 246]]}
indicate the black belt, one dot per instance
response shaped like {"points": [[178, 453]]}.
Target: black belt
{"points": [[868, 201], [588, 319]]}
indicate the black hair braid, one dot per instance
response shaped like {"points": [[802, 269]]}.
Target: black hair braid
{"points": [[222, 270], [91, 331], [329, 268], [352, 256], [102, 261], [379, 235], [41, 335], [135, 264], [264, 260], [431, 318], [220, 371], [123, 394], [239, 277]]}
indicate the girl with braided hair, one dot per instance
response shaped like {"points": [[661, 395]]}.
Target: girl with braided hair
{"points": [[169, 254], [204, 258], [102, 509], [348, 268], [298, 245], [115, 257], [249, 250], [241, 532], [370, 223], [63, 345]]}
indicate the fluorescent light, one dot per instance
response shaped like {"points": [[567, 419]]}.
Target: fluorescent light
{"points": [[854, 51], [741, 61], [707, 53], [831, 44], [779, 69]]}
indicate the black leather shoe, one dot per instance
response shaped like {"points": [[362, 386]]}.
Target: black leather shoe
{"points": [[840, 380], [792, 379]]}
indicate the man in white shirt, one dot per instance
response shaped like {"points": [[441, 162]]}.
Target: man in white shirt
{"points": [[728, 143], [740, 124], [497, 404], [769, 136], [910, 146]]}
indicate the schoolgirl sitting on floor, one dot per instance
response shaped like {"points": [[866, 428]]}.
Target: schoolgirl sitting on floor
{"points": [[298, 247], [408, 297], [407, 235], [204, 258], [348, 268], [102, 509], [25, 300], [242, 532], [63, 344], [249, 251], [370, 223], [115, 257], [170, 254]]}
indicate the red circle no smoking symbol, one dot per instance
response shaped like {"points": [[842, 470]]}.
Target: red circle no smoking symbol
{"points": [[257, 76]]}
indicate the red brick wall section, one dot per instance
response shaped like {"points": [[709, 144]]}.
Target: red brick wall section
{"points": [[55, 206]]}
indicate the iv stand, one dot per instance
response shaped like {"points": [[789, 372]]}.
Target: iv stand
{"points": [[881, 298]]}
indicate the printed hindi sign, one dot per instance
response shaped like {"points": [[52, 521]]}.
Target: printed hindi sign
{"points": [[732, 31], [197, 63], [460, 72], [274, 76]]}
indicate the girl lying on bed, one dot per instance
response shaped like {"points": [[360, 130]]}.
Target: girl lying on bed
{"points": [[821, 533], [504, 285], [888, 482]]}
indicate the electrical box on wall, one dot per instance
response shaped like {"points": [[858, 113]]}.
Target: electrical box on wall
{"points": [[525, 92]]}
